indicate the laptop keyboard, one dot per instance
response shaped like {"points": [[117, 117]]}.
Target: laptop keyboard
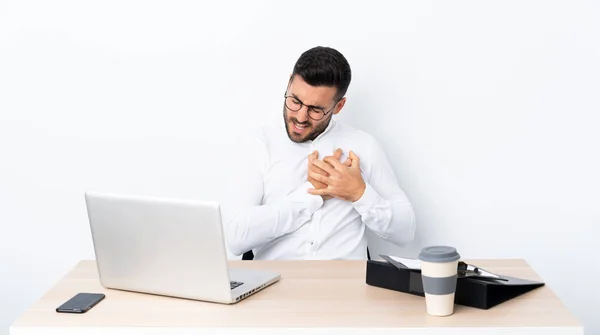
{"points": [[235, 284]]}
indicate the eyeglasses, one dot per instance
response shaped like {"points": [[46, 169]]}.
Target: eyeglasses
{"points": [[315, 113]]}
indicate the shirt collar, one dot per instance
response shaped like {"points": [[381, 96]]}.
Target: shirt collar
{"points": [[329, 126]]}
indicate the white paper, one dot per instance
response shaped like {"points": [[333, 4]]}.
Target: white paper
{"points": [[414, 264]]}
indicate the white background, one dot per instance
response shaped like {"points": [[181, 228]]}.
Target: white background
{"points": [[489, 112]]}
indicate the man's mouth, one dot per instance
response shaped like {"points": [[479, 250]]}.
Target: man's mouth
{"points": [[299, 127]]}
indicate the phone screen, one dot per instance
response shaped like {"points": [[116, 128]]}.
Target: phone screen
{"points": [[80, 303]]}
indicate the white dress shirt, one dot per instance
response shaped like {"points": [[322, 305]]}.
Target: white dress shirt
{"points": [[271, 213]]}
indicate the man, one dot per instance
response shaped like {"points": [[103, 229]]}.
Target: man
{"points": [[309, 190]]}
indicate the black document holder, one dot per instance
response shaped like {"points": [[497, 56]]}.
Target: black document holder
{"points": [[473, 292]]}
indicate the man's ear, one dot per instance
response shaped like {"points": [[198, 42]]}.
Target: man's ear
{"points": [[339, 106]]}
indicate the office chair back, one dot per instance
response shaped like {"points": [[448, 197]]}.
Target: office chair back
{"points": [[248, 256]]}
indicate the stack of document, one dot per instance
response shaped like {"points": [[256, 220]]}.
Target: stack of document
{"points": [[464, 269]]}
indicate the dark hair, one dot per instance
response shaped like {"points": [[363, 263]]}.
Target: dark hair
{"points": [[324, 66]]}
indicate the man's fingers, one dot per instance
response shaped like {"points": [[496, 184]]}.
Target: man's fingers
{"points": [[316, 169], [317, 177], [338, 154], [334, 162], [355, 160], [320, 191], [317, 184], [347, 162], [324, 166], [313, 155]]}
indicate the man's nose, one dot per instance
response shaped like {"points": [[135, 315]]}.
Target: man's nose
{"points": [[302, 114]]}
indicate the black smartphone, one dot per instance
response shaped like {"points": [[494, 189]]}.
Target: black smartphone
{"points": [[80, 303]]}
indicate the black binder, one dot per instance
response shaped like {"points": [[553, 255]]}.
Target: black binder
{"points": [[470, 291]]}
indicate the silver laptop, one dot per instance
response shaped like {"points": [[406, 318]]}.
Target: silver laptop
{"points": [[167, 247]]}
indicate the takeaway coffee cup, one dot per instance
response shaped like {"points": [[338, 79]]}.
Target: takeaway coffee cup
{"points": [[439, 270]]}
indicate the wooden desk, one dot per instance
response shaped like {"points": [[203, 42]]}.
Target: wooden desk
{"points": [[321, 297]]}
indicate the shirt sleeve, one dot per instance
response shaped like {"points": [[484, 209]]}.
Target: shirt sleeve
{"points": [[249, 224], [384, 207]]}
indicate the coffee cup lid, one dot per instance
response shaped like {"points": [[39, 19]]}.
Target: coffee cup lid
{"points": [[439, 254]]}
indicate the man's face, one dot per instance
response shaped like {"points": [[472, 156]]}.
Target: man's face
{"points": [[299, 125]]}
